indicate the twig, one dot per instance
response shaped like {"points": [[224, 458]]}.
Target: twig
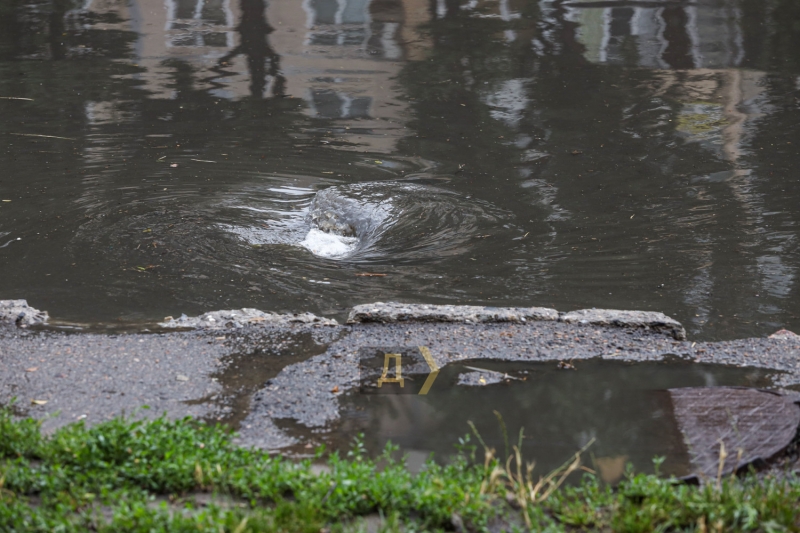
{"points": [[45, 136], [505, 376], [15, 98], [330, 491]]}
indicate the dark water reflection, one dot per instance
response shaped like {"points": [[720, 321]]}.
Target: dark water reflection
{"points": [[644, 154], [622, 409]]}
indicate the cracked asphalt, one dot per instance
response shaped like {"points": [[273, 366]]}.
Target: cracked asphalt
{"points": [[268, 380]]}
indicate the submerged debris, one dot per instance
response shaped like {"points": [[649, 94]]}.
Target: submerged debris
{"points": [[481, 376], [21, 314]]}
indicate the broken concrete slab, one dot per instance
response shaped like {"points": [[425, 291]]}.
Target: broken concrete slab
{"points": [[649, 320], [728, 428], [240, 318], [392, 312], [20, 313]]}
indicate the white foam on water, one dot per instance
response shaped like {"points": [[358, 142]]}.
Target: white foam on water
{"points": [[328, 245]]}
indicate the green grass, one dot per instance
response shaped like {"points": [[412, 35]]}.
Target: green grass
{"points": [[126, 475]]}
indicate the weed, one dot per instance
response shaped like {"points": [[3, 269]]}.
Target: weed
{"points": [[126, 475]]}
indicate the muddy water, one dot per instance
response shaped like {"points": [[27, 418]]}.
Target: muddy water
{"points": [[241, 374], [622, 409], [166, 157]]}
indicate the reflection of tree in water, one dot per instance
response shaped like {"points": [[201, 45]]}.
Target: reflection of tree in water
{"points": [[497, 100], [57, 29], [623, 405], [254, 30]]}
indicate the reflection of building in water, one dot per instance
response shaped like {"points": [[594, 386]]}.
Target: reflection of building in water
{"points": [[94, 14], [198, 32], [200, 23], [719, 109], [701, 34], [341, 57], [505, 10], [702, 98]]}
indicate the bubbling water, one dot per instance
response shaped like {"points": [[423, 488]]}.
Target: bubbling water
{"points": [[329, 245], [394, 221]]}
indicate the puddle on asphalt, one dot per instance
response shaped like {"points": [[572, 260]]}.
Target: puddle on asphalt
{"points": [[624, 406], [243, 374]]}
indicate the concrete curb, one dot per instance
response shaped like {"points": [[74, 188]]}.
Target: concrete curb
{"points": [[649, 320], [393, 312], [390, 313], [20, 313]]}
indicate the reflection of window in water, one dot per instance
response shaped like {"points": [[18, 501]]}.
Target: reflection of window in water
{"points": [[324, 12], [197, 22], [617, 29], [327, 103], [384, 38], [337, 12], [619, 26], [344, 36], [337, 22], [661, 37], [349, 23]]}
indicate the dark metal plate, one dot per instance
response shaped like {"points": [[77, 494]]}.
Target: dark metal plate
{"points": [[754, 423]]}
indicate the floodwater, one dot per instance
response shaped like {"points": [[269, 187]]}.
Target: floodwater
{"points": [[162, 157], [621, 411]]}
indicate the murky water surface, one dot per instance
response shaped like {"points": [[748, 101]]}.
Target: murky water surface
{"points": [[623, 409], [244, 373], [175, 156]]}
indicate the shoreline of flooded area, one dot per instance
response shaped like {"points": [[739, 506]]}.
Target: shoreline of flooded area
{"points": [[287, 382]]}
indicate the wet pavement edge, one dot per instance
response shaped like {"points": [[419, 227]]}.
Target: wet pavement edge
{"points": [[61, 376]]}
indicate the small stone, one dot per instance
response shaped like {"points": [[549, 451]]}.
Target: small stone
{"points": [[181, 377], [784, 334]]}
